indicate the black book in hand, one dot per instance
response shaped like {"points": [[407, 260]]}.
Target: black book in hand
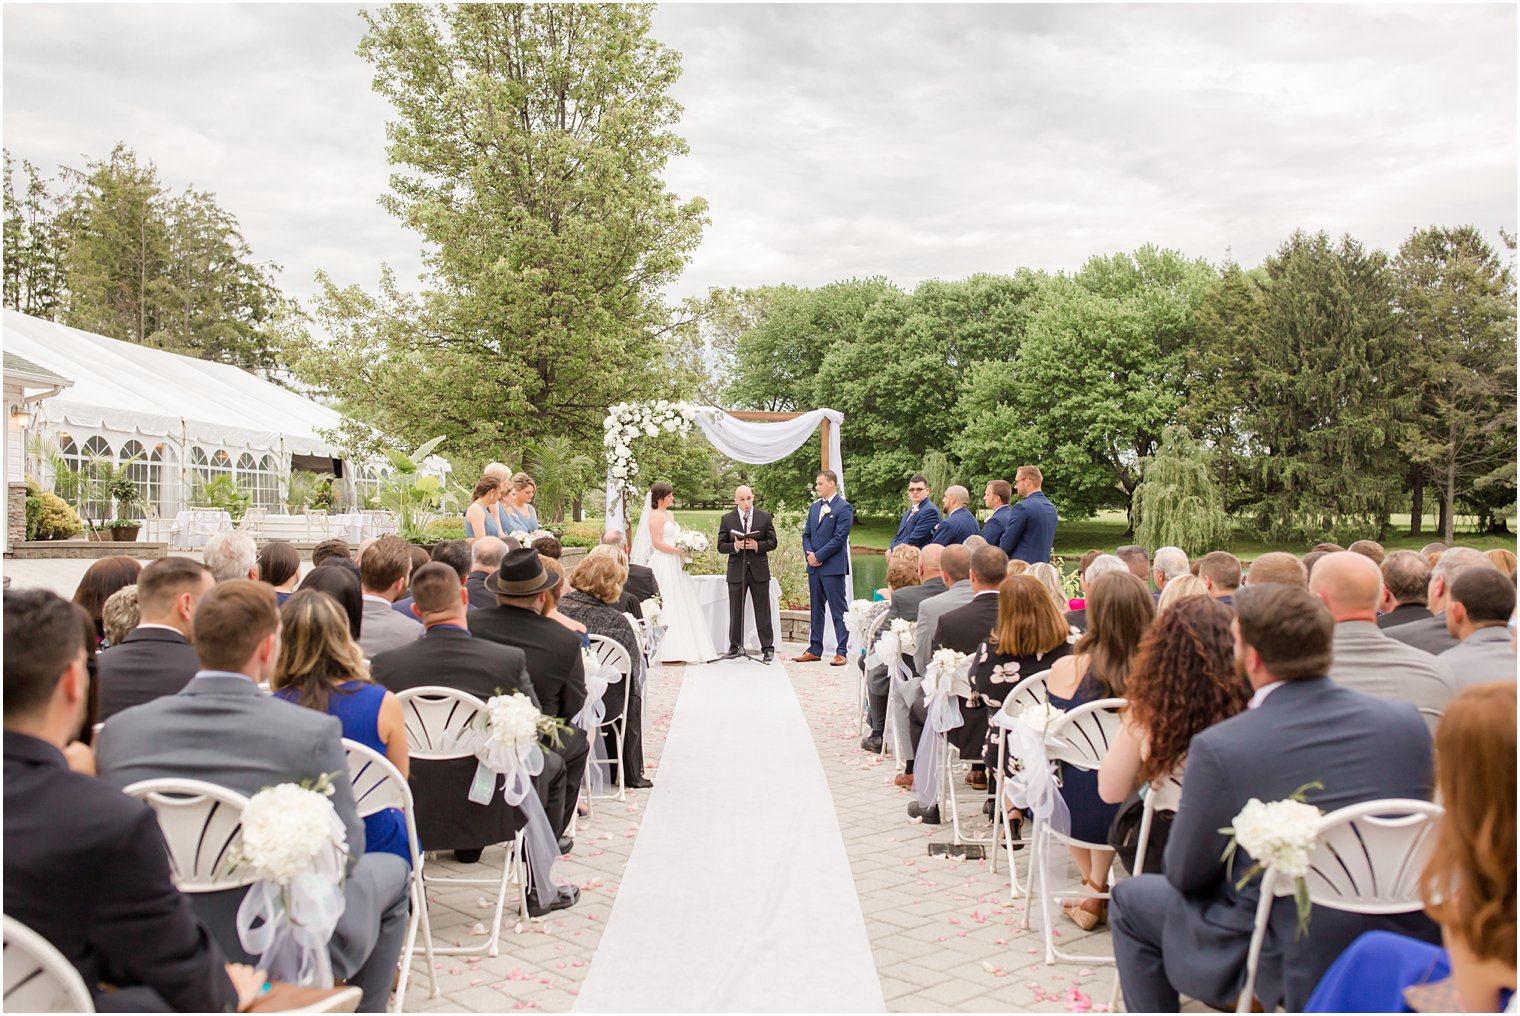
{"points": [[741, 537]]}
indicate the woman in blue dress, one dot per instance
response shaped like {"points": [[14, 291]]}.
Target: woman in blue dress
{"points": [[516, 509], [1119, 611], [1468, 884], [480, 518], [322, 668]]}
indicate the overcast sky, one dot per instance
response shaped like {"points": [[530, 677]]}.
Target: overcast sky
{"points": [[912, 142]]}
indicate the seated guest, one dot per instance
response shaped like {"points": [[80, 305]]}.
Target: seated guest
{"points": [[1370, 549], [100, 580], [553, 653], [1188, 930], [1184, 587], [1328, 548], [86, 867], [1091, 572], [904, 571], [955, 564], [1220, 571], [480, 517], [231, 556], [156, 658], [221, 730], [342, 584], [1468, 884], [333, 551], [596, 586], [1504, 560], [1170, 563], [1049, 576], [485, 557], [1366, 659], [454, 553], [549, 547], [1311, 559], [1184, 682], [1017, 568], [1405, 576], [280, 566], [958, 522], [1430, 634], [447, 655], [627, 602], [1119, 613], [1279, 567], [906, 603], [321, 667], [1029, 637], [1138, 561], [1432, 549], [907, 574], [1478, 613], [641, 581], [120, 614], [551, 600], [383, 573]]}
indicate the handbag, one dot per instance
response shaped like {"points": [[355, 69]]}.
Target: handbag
{"points": [[1124, 834]]}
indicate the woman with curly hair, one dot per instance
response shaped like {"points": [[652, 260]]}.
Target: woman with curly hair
{"points": [[1468, 884], [1184, 682]]}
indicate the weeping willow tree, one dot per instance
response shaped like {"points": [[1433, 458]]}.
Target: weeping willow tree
{"points": [[1178, 502], [939, 472]]}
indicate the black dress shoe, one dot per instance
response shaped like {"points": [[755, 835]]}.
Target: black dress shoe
{"points": [[929, 815], [872, 742], [642, 783], [568, 897], [566, 844], [732, 654], [467, 856], [769, 656]]}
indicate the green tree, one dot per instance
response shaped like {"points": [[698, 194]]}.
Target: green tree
{"points": [[34, 280], [1457, 300], [527, 145], [1216, 375], [1178, 502], [1326, 405]]}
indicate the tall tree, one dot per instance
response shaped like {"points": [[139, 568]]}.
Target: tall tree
{"points": [[1326, 406], [1217, 377], [34, 281], [1457, 300], [528, 145], [1178, 502]]}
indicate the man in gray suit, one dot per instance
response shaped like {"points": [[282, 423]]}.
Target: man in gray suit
{"points": [[384, 567], [908, 697], [1366, 659], [222, 730], [1430, 634], [905, 604], [1188, 930], [1481, 602]]}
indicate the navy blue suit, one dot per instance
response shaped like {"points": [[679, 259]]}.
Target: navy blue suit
{"points": [[956, 526], [1031, 531], [917, 527], [992, 529], [827, 537]]}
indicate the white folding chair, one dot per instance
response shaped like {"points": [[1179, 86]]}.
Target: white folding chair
{"points": [[201, 823], [436, 720], [379, 522], [1147, 819], [253, 522], [873, 632], [1081, 739], [318, 524], [1028, 692], [39, 978], [1367, 859], [610, 653], [379, 785]]}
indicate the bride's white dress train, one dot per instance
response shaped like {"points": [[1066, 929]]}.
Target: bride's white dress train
{"points": [[686, 636]]}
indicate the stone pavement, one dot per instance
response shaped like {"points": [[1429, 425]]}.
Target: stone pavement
{"points": [[943, 930]]}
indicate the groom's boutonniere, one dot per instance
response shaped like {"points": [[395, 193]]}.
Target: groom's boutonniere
{"points": [[824, 511]]}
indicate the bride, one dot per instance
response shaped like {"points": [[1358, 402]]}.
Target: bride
{"points": [[686, 637]]}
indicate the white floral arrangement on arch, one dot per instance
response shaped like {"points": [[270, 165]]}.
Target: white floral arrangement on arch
{"points": [[907, 635], [626, 422], [1280, 835], [691, 541]]}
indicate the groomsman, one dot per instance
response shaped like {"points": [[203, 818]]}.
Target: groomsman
{"points": [[826, 542], [999, 493], [918, 523], [958, 522], [1031, 529]]}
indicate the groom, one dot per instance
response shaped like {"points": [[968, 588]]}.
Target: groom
{"points": [[825, 541], [748, 569]]}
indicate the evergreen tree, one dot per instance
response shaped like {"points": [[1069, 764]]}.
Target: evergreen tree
{"points": [[1178, 502], [34, 282]]}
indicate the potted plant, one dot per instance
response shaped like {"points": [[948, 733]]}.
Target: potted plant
{"points": [[124, 530]]}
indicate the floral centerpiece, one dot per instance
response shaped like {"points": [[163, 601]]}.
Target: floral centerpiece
{"points": [[692, 542], [1279, 835]]}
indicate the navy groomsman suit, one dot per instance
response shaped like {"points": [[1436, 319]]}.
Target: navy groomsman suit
{"points": [[1031, 531], [826, 535], [917, 525], [997, 522], [956, 526]]}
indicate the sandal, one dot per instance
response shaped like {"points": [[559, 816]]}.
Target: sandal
{"points": [[1087, 914]]}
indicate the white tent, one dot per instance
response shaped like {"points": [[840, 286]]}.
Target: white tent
{"points": [[180, 419]]}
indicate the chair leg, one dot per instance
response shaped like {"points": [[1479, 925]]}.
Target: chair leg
{"points": [[493, 946]]}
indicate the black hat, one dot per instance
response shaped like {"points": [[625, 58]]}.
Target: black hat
{"points": [[521, 574]]}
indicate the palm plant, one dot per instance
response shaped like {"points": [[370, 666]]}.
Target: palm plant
{"points": [[560, 473], [414, 496]]}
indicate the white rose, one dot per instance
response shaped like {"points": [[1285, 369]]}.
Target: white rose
{"points": [[670, 425]]}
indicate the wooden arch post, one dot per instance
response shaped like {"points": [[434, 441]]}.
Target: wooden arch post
{"points": [[755, 417]]}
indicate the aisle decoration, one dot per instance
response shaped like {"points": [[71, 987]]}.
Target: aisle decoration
{"points": [[942, 714], [599, 677], [1033, 783], [294, 840], [907, 636], [1279, 835]]}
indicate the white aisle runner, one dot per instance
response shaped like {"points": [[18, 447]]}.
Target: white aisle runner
{"points": [[738, 895]]}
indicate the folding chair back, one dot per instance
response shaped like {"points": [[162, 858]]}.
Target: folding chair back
{"points": [[202, 823], [38, 978], [1085, 733], [437, 720]]}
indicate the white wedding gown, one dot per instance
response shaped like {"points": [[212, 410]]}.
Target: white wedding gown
{"points": [[686, 636]]}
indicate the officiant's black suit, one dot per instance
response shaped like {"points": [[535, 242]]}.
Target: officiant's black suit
{"points": [[749, 570]]}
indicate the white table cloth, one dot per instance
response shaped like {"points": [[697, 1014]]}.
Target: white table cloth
{"points": [[712, 596], [352, 526], [193, 528]]}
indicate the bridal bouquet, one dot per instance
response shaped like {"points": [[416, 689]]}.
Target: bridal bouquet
{"points": [[690, 541], [907, 636], [1279, 835], [293, 839]]}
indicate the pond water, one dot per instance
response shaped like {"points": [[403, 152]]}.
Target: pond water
{"points": [[869, 570]]}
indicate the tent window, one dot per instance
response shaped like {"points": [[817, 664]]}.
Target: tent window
{"points": [[256, 477], [98, 456], [365, 485], [67, 486], [200, 474], [269, 483], [145, 469]]}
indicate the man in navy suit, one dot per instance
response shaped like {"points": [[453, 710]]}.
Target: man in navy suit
{"points": [[917, 524], [958, 522], [999, 493], [826, 542], [1031, 530]]}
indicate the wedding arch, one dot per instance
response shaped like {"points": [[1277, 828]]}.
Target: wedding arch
{"points": [[752, 437]]}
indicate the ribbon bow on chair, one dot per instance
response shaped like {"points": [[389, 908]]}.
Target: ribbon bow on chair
{"points": [[943, 714], [599, 677]]}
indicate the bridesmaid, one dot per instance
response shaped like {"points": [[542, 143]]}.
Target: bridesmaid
{"points": [[480, 518], [516, 509]]}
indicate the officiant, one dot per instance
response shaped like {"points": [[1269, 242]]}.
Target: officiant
{"points": [[747, 535]]}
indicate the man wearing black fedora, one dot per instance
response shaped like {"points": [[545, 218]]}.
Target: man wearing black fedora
{"points": [[554, 660]]}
